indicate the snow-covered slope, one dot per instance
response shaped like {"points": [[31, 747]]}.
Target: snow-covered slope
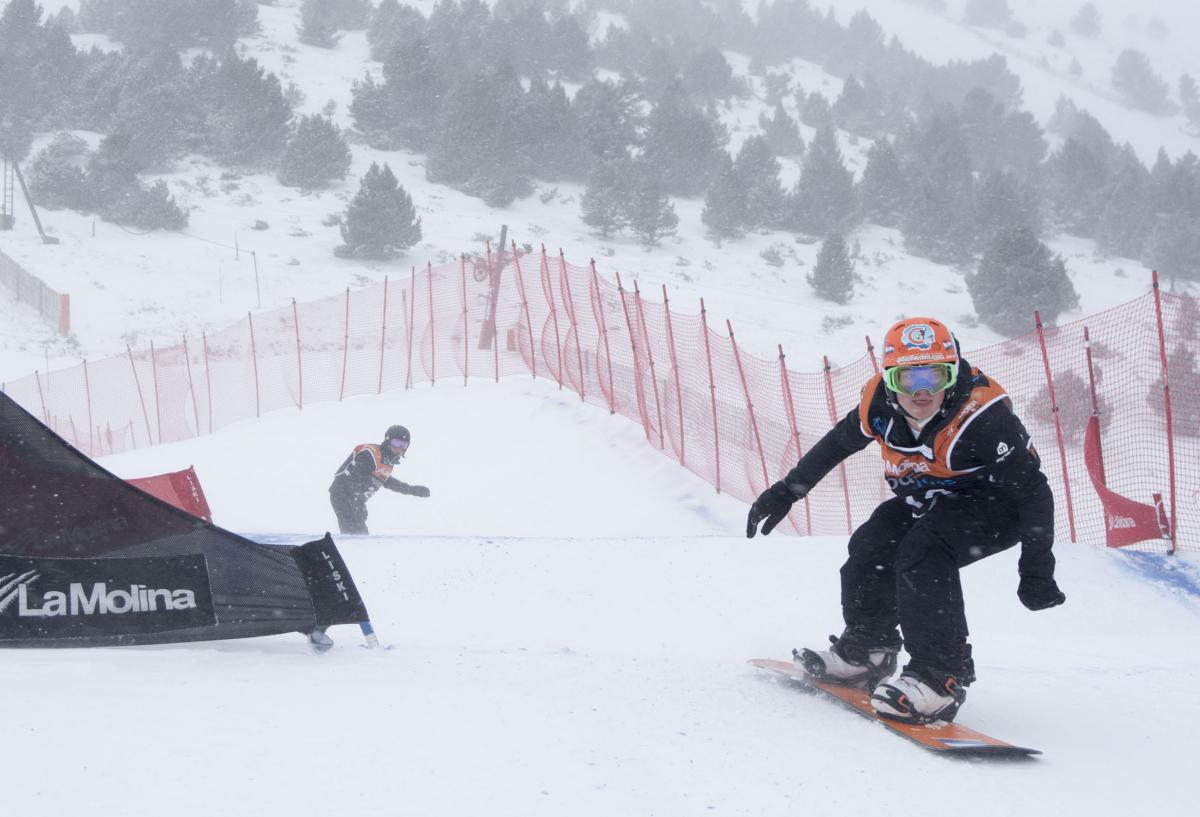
{"points": [[590, 661]]}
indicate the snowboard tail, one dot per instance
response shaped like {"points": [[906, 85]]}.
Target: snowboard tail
{"points": [[940, 737]]}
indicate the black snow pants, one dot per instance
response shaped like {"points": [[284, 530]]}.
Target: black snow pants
{"points": [[904, 572], [350, 508]]}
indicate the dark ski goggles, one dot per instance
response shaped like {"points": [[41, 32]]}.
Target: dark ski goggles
{"points": [[398, 444], [908, 380]]}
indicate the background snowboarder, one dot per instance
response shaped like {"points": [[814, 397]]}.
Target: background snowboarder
{"points": [[365, 471], [968, 484]]}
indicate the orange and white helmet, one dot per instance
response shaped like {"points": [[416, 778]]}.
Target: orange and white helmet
{"points": [[919, 342]]}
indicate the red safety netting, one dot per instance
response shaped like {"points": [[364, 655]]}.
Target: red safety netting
{"points": [[737, 421]]}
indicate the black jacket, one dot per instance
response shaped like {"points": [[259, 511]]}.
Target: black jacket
{"points": [[365, 471], [975, 444]]}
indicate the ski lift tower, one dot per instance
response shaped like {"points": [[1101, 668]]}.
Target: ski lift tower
{"points": [[10, 172]]}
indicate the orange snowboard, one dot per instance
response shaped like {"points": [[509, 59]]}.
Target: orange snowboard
{"points": [[940, 737]]}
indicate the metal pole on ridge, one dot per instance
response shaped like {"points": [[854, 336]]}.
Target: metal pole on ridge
{"points": [[1162, 354], [1062, 448], [254, 357]]}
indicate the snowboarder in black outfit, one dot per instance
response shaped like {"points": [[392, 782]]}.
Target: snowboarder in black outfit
{"points": [[967, 483], [365, 471]]}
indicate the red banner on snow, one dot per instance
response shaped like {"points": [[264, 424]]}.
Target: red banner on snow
{"points": [[1125, 521], [180, 488]]}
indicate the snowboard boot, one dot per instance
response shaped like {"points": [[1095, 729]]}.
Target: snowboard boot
{"points": [[848, 663], [911, 698]]}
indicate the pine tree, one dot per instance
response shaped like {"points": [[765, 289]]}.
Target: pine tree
{"points": [[648, 210], [1075, 178], [681, 144], [156, 108], [610, 116], [393, 25], [319, 23], [833, 276], [602, 202], [724, 211], [883, 191], [823, 200], [316, 154], [757, 171], [988, 13], [553, 137], [938, 222], [413, 94], [1137, 82], [246, 115], [1086, 22], [1126, 220], [1173, 248], [1017, 276], [782, 133], [479, 149], [381, 221], [1003, 203], [1189, 99]]}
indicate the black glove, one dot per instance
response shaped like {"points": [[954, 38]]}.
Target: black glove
{"points": [[772, 505], [1039, 594], [418, 490]]}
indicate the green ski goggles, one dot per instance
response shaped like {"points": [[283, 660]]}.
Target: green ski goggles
{"points": [[933, 378]]}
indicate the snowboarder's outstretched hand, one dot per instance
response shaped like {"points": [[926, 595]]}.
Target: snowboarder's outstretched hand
{"points": [[1039, 594], [772, 505], [418, 490]]}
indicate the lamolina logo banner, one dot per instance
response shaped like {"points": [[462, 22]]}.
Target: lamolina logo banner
{"points": [[78, 598]]}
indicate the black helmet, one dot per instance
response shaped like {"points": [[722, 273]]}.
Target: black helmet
{"points": [[397, 439]]}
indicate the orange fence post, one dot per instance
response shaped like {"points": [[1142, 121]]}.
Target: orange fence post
{"points": [[637, 298], [299, 359], [790, 406], [712, 390], [737, 357], [254, 356], [462, 264], [525, 310], [138, 384], [675, 370], [598, 308], [187, 362], [1162, 355], [345, 346], [432, 333], [382, 336], [570, 304], [832, 403], [1062, 447], [639, 396]]}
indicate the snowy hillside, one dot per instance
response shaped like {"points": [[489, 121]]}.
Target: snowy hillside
{"points": [[253, 243]]}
